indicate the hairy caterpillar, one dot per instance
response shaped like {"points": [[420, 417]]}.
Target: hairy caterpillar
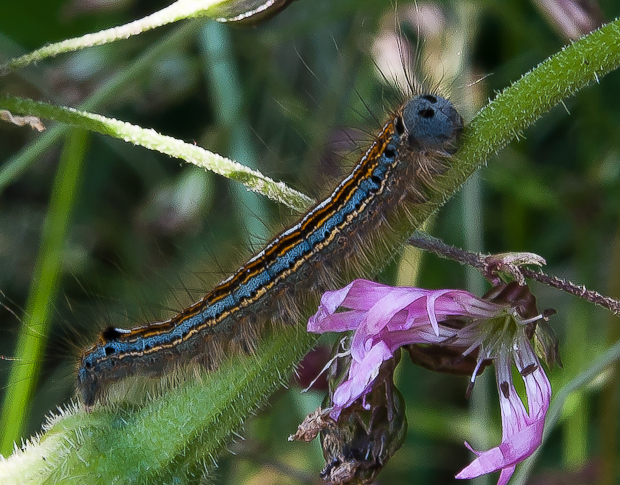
{"points": [[332, 241]]}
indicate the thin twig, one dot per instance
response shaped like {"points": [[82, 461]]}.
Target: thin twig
{"points": [[484, 264], [611, 304], [436, 246]]}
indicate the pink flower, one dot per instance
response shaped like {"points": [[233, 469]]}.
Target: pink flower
{"points": [[384, 319], [499, 328], [521, 431], [504, 339]]}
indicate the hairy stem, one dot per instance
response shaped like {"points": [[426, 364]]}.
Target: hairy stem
{"points": [[481, 262]]}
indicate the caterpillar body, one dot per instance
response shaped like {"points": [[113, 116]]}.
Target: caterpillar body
{"points": [[333, 241]]}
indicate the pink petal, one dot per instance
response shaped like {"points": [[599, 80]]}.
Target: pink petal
{"points": [[505, 475], [521, 432], [507, 454], [331, 300], [379, 316], [363, 294], [361, 375], [430, 308], [338, 322]]}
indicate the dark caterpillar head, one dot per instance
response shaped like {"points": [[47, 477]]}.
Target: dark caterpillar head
{"points": [[431, 122]]}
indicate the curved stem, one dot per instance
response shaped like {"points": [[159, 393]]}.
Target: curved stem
{"points": [[181, 9], [252, 179]]}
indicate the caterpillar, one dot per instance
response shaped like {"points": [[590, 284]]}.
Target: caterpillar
{"points": [[334, 240]]}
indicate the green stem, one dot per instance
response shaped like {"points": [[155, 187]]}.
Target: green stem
{"points": [[520, 105], [179, 431], [252, 179], [181, 9], [43, 290], [15, 166]]}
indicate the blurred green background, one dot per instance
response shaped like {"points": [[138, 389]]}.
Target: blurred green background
{"points": [[297, 97]]}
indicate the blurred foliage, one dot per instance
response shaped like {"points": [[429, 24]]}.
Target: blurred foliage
{"points": [[148, 235]]}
